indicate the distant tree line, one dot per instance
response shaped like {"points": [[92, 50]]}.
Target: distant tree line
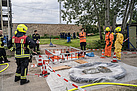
{"points": [[99, 12]]}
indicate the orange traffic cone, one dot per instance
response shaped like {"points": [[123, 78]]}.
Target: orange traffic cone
{"points": [[102, 54], [44, 70], [40, 61], [114, 58]]}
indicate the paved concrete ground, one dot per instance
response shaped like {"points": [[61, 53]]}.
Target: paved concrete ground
{"points": [[54, 83], [57, 84], [60, 85], [7, 80], [36, 83]]}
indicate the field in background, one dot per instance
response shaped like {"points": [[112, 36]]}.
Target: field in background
{"points": [[73, 43]]}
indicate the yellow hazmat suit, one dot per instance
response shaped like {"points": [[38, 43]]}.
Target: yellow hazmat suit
{"points": [[118, 43]]}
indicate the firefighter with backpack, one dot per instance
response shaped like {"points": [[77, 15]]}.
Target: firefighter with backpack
{"points": [[22, 45]]}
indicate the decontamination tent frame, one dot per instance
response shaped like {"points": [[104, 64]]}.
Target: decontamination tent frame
{"points": [[131, 32]]}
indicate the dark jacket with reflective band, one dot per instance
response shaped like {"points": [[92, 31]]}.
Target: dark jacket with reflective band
{"points": [[1, 41], [36, 37], [21, 41]]}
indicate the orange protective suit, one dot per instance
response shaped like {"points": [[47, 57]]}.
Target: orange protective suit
{"points": [[109, 41]]}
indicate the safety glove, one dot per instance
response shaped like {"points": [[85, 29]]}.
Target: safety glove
{"points": [[30, 58]]}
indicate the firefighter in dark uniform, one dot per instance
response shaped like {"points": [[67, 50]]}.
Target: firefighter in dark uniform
{"points": [[22, 45], [2, 50], [36, 38]]}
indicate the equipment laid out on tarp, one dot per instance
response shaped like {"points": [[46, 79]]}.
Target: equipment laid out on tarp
{"points": [[91, 54], [96, 72]]}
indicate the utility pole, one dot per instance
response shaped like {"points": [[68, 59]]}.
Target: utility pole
{"points": [[60, 11], [107, 6], [8, 19], [1, 15], [10, 12]]}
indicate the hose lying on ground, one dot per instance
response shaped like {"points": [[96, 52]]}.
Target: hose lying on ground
{"points": [[5, 67], [104, 83]]}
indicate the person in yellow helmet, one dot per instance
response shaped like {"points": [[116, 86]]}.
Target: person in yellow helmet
{"points": [[22, 45], [3, 56], [118, 43], [108, 41]]}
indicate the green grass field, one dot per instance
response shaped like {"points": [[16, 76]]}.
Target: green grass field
{"points": [[73, 43]]}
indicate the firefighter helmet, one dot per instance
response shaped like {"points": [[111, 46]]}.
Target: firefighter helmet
{"points": [[107, 29], [22, 28], [118, 29]]}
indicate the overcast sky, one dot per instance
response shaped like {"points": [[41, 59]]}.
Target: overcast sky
{"points": [[35, 11]]}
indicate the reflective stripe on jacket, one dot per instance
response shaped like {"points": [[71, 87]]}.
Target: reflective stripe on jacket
{"points": [[82, 36], [1, 41], [36, 37], [21, 49]]}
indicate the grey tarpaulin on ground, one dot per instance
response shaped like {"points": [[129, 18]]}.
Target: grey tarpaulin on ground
{"points": [[76, 74]]}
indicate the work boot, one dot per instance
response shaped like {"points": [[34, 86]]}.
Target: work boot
{"points": [[24, 81], [1, 62], [6, 61], [107, 56], [38, 53], [33, 53], [17, 78], [118, 59], [1, 59]]}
